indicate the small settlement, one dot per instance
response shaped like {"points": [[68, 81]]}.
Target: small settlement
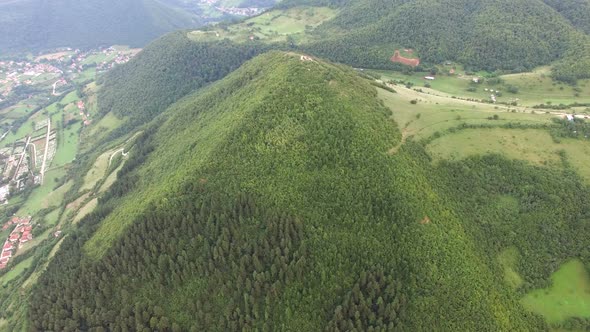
{"points": [[20, 235]]}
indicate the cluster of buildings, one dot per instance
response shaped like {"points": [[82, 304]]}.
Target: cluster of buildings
{"points": [[20, 163], [85, 116], [120, 58], [60, 65], [238, 11], [16, 73], [21, 234]]}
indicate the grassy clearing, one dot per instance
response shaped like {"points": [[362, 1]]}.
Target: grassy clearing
{"points": [[532, 145], [97, 172], [85, 210], [102, 128], [537, 87], [44, 196], [70, 98], [55, 197], [274, 25], [533, 88], [108, 182], [87, 74], [434, 113], [67, 146], [578, 155], [569, 296], [51, 218], [16, 271], [508, 259], [535, 146]]}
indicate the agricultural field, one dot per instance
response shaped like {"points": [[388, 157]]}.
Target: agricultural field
{"points": [[16, 271], [45, 195], [432, 113], [532, 145], [568, 296], [272, 26], [532, 88]]}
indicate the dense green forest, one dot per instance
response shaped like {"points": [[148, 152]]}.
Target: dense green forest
{"points": [[576, 11], [165, 71], [32, 25], [269, 201], [490, 35]]}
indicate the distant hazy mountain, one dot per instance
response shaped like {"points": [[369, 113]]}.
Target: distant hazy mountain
{"points": [[42, 24]]}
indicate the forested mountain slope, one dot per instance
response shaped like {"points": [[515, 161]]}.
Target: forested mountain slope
{"points": [[490, 35], [29, 25], [165, 71], [269, 201], [576, 11]]}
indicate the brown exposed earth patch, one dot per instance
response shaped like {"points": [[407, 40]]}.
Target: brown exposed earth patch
{"points": [[425, 221], [403, 60]]}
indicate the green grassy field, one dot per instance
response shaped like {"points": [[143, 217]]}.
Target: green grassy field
{"points": [[85, 210], [100, 129], [537, 87], [69, 98], [273, 25], [44, 196], [16, 271], [532, 145], [534, 88], [68, 146], [569, 296], [508, 259], [434, 113], [98, 171], [535, 146], [52, 217], [85, 75], [108, 182]]}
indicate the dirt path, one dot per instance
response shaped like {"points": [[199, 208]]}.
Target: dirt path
{"points": [[115, 153], [396, 148]]}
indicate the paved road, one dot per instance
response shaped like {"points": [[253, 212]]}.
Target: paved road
{"points": [[46, 150]]}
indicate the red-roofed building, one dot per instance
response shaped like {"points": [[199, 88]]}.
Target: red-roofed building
{"points": [[6, 254], [7, 246], [25, 221], [26, 237], [14, 220], [28, 228], [5, 227], [14, 237]]}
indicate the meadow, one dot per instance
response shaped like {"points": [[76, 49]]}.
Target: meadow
{"points": [[568, 296], [272, 26], [533, 88], [432, 113]]}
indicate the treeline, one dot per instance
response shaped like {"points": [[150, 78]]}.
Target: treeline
{"points": [[164, 72], [539, 211]]}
